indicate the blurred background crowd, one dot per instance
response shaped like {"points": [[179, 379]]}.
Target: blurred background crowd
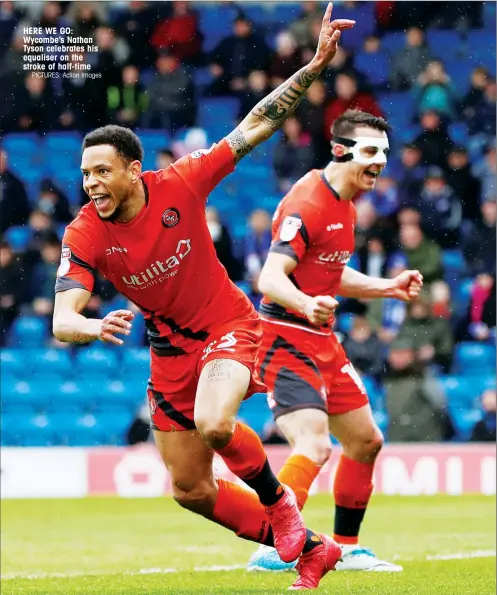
{"points": [[182, 74]]}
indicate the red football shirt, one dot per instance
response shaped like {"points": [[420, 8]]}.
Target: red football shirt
{"points": [[314, 227], [164, 259]]}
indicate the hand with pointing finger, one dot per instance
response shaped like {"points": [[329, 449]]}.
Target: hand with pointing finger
{"points": [[329, 36]]}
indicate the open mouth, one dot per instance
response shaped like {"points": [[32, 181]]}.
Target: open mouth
{"points": [[372, 175], [102, 201]]}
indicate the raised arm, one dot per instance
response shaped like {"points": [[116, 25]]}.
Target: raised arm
{"points": [[70, 326], [270, 113], [275, 284], [405, 287]]}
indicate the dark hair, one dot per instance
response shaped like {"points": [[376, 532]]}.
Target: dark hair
{"points": [[124, 141], [345, 124]]}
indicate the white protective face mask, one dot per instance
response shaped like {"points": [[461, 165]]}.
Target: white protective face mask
{"points": [[361, 148]]}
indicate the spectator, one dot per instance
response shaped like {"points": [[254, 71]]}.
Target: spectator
{"points": [[479, 324], [415, 407], [44, 276], [171, 100], [365, 222], [32, 109], [433, 142], [179, 34], [433, 90], [474, 97], [53, 202], [348, 97], [440, 208], [235, 57], [14, 205], [463, 183], [386, 197], [127, 101], [86, 17], [257, 89], [408, 216], [422, 254], [486, 172], [409, 62], [363, 348], [222, 243], [481, 122], [441, 300], [10, 16], [134, 25], [12, 290], [484, 430], [409, 172], [431, 337], [165, 157], [311, 115], [480, 240], [373, 256], [286, 60], [257, 246], [293, 155], [342, 63], [301, 27]]}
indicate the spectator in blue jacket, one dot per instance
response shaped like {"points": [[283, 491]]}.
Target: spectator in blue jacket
{"points": [[257, 245]]}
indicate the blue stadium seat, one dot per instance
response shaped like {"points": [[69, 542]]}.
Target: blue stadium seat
{"points": [[445, 44], [28, 332], [19, 236], [481, 49], [62, 152], [489, 16], [218, 109], [398, 106], [465, 390], [76, 429], [454, 263], [394, 42], [31, 430], [114, 426], [345, 322], [96, 360], [215, 22], [255, 412], [382, 420], [51, 361], [136, 364], [472, 357], [72, 396], [375, 67], [115, 396], [363, 14], [461, 296], [375, 393], [13, 363], [463, 420], [153, 141], [459, 134], [24, 155], [460, 74]]}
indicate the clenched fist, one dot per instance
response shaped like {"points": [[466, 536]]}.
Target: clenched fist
{"points": [[406, 286], [320, 309]]}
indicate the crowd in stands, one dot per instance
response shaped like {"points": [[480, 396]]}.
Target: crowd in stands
{"points": [[434, 208]]}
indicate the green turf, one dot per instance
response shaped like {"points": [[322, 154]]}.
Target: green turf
{"points": [[102, 539]]}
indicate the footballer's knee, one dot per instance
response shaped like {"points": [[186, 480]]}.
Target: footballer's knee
{"points": [[365, 448], [316, 447], [216, 431], [199, 497]]}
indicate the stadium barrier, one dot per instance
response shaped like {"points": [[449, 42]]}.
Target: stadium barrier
{"points": [[409, 470]]}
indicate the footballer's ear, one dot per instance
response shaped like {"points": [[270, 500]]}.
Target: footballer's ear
{"points": [[338, 150], [135, 167]]}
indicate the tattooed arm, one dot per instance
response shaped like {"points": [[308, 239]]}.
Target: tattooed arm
{"points": [[270, 113]]}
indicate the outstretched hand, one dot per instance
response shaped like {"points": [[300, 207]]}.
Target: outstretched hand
{"points": [[329, 36], [116, 322]]}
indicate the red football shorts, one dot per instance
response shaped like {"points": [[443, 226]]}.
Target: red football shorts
{"points": [[305, 370], [173, 385]]}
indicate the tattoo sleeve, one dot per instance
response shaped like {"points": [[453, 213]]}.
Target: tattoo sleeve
{"points": [[238, 144], [283, 101]]}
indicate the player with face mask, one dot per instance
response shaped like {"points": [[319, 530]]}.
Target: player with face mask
{"points": [[313, 387]]}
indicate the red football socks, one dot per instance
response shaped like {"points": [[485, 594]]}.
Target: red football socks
{"points": [[353, 488], [298, 473], [244, 455]]}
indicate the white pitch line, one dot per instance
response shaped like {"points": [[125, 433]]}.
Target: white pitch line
{"points": [[142, 571]]}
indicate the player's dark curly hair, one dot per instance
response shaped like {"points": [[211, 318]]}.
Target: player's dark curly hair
{"points": [[345, 124], [124, 141]]}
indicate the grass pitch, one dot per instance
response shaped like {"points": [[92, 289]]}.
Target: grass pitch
{"points": [[110, 546]]}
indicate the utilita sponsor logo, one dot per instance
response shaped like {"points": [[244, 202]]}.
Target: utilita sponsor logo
{"points": [[160, 270], [339, 257]]}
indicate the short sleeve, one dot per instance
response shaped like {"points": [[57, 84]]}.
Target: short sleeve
{"points": [[203, 170], [77, 262], [291, 231]]}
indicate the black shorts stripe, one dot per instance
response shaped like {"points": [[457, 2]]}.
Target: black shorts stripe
{"points": [[281, 343], [274, 310], [170, 411], [161, 346], [184, 332]]}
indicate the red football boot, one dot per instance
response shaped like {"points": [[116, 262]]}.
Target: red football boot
{"points": [[315, 564], [288, 526]]}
